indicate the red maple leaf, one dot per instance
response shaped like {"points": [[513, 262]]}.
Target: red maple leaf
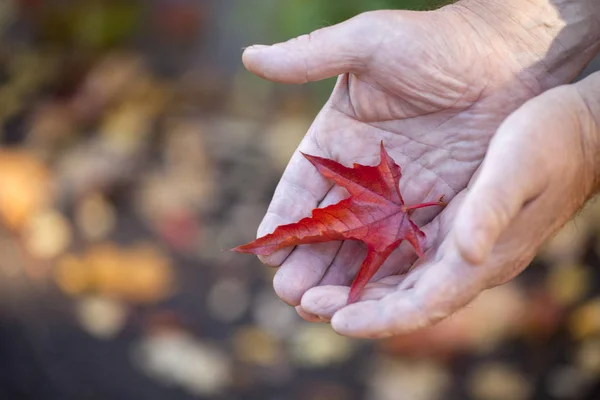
{"points": [[374, 213]]}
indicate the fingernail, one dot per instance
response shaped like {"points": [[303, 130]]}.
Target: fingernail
{"points": [[255, 47]]}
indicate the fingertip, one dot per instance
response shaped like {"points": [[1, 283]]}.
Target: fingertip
{"points": [[275, 259], [339, 325], [251, 56], [255, 48], [324, 300], [267, 226], [276, 63], [287, 290], [308, 316], [341, 321]]}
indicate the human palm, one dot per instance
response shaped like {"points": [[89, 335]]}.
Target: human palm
{"points": [[428, 84]]}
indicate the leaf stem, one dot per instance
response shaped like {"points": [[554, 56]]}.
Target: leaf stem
{"points": [[439, 202]]}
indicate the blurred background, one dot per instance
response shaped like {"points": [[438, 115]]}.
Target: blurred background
{"points": [[135, 149]]}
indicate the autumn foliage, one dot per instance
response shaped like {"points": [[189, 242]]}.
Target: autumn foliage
{"points": [[374, 214]]}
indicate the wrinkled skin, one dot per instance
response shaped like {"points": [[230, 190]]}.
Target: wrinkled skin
{"points": [[435, 86]]}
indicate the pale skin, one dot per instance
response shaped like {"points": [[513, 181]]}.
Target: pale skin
{"points": [[473, 102]]}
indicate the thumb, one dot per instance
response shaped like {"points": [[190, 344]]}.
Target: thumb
{"points": [[322, 54], [509, 177]]}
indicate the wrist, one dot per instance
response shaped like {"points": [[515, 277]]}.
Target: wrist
{"points": [[549, 40]]}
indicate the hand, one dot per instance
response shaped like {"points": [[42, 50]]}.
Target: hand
{"points": [[541, 167], [434, 86]]}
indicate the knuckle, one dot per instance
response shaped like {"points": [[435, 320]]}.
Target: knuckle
{"points": [[498, 211]]}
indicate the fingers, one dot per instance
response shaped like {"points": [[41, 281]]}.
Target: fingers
{"points": [[299, 191], [345, 265], [343, 270], [537, 154], [323, 302], [306, 316], [437, 289], [442, 289], [418, 292], [324, 53], [302, 270], [500, 222], [307, 264], [509, 177]]}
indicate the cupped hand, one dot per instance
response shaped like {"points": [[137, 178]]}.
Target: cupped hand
{"points": [[434, 86], [540, 169]]}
